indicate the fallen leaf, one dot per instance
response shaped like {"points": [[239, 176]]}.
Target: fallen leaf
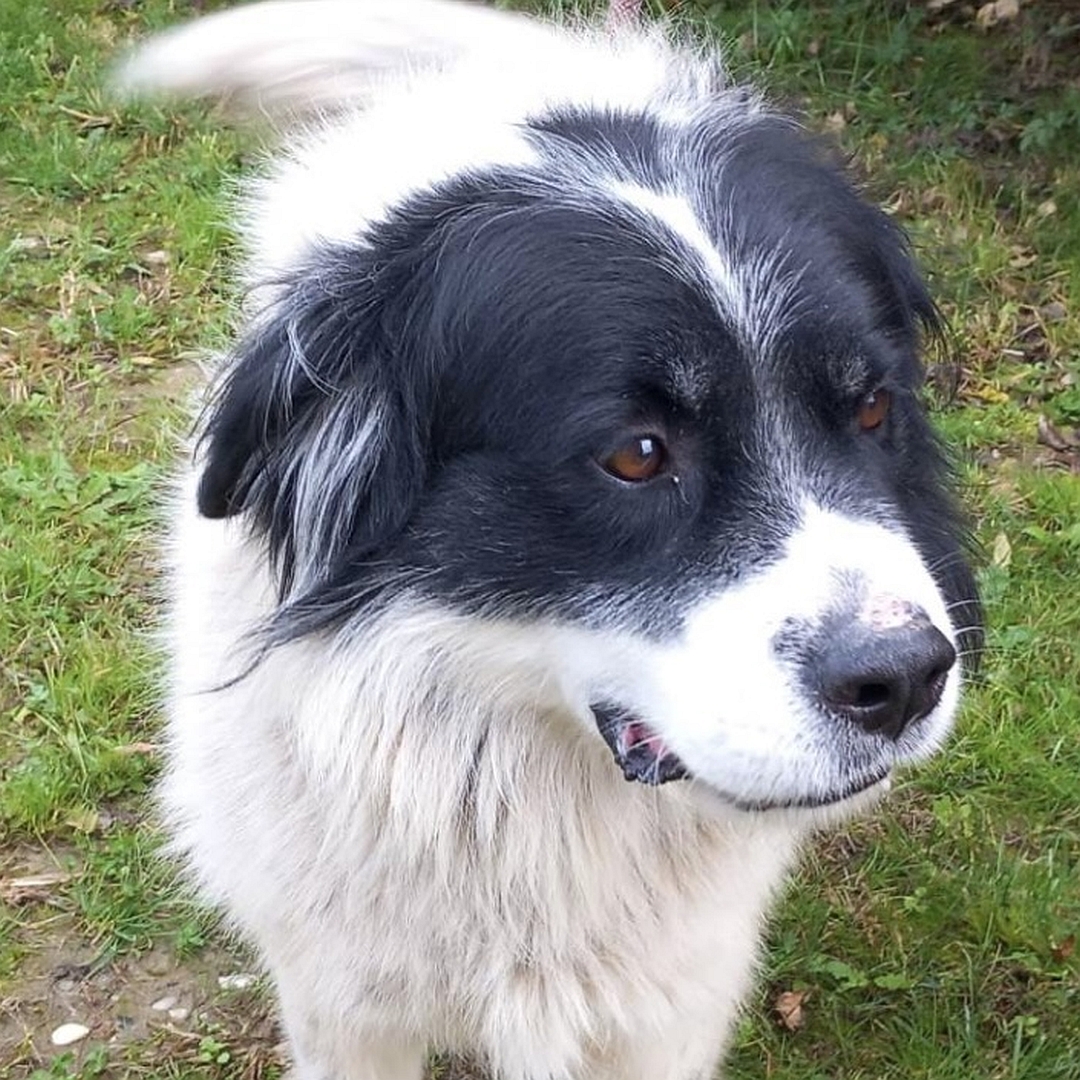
{"points": [[87, 121], [992, 395], [1001, 553], [1048, 435], [85, 821], [1064, 949], [147, 749], [789, 1009], [32, 888]]}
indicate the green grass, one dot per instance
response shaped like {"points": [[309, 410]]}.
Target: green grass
{"points": [[935, 940]]}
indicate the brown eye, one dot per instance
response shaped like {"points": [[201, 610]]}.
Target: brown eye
{"points": [[639, 458], [873, 409]]}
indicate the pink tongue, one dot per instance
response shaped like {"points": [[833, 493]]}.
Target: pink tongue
{"points": [[635, 733]]}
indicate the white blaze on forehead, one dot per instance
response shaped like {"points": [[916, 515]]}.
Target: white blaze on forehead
{"points": [[754, 292], [674, 212]]}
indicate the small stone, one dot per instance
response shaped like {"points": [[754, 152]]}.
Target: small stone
{"points": [[179, 1014], [240, 981], [66, 1034], [164, 1004], [34, 246]]}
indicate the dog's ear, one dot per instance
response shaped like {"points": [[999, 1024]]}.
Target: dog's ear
{"points": [[317, 433]]}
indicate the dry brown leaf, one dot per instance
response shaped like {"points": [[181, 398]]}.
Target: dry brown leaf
{"points": [[147, 749], [789, 1009], [989, 393], [85, 820], [1064, 949], [1053, 437], [32, 888], [1001, 553], [1022, 258]]}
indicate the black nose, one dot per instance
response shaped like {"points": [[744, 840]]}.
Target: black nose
{"points": [[882, 680]]}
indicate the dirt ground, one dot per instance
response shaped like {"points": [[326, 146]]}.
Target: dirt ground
{"points": [[139, 1009]]}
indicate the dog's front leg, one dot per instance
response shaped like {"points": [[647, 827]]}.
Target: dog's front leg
{"points": [[689, 1054], [331, 1048]]}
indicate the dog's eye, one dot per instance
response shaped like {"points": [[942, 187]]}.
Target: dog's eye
{"points": [[636, 460], [873, 410]]}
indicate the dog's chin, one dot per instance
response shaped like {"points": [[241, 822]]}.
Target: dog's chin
{"points": [[813, 810], [645, 757], [842, 800]]}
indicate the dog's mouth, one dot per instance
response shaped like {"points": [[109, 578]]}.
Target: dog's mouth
{"points": [[639, 751], [644, 756]]}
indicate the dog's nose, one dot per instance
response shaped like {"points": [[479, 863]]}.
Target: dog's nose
{"points": [[883, 679]]}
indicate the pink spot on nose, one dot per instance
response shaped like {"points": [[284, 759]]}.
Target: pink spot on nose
{"points": [[887, 612]]}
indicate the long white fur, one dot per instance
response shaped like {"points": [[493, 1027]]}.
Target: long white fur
{"points": [[416, 821], [431, 848]]}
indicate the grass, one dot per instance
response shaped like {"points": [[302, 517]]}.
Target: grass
{"points": [[936, 939]]}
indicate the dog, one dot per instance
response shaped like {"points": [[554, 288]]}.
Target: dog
{"points": [[563, 539]]}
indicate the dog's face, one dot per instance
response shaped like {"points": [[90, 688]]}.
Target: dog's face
{"points": [[657, 393]]}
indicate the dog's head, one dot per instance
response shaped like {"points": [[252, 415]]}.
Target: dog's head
{"points": [[653, 389]]}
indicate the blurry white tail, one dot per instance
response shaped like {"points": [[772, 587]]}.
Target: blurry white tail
{"points": [[288, 58]]}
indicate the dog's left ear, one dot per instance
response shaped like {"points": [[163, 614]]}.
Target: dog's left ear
{"points": [[317, 433]]}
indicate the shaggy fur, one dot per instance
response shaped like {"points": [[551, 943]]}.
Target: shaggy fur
{"points": [[564, 540]]}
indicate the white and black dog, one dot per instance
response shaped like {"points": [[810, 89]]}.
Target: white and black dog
{"points": [[564, 538]]}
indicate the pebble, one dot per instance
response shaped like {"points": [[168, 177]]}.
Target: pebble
{"points": [[179, 1014], [239, 981], [66, 1034], [163, 1004]]}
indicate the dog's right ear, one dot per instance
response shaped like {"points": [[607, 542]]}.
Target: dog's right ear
{"points": [[317, 433]]}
